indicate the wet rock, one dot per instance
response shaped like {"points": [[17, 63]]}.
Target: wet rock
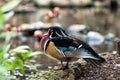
{"points": [[94, 38]]}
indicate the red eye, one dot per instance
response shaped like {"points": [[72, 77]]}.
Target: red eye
{"points": [[50, 31]]}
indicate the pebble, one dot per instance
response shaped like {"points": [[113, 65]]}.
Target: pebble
{"points": [[117, 65], [114, 52]]}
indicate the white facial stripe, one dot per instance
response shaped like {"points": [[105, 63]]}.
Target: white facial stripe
{"points": [[57, 34], [51, 35], [45, 45], [80, 46], [63, 34]]}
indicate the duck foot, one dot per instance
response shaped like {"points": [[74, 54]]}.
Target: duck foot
{"points": [[62, 67]]}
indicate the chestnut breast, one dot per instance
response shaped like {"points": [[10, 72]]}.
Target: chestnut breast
{"points": [[53, 52]]}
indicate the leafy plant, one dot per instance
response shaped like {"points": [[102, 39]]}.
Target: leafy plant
{"points": [[5, 14], [15, 58], [20, 56], [10, 5]]}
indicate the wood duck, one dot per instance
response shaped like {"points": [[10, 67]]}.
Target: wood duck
{"points": [[61, 46]]}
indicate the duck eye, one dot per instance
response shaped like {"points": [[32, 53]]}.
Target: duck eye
{"points": [[50, 30]]}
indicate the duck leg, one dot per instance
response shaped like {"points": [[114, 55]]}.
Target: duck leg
{"points": [[62, 66], [66, 66]]}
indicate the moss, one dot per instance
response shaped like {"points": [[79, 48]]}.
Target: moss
{"points": [[49, 75]]}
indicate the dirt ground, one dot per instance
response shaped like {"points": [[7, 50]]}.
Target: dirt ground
{"points": [[109, 71]]}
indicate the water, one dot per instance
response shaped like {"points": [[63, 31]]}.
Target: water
{"points": [[102, 20]]}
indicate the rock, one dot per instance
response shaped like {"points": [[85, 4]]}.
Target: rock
{"points": [[80, 70], [94, 38]]}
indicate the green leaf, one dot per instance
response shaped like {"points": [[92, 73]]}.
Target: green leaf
{"points": [[3, 69], [2, 19], [21, 66], [3, 35], [33, 67], [1, 16], [3, 72], [6, 48], [8, 15], [19, 51], [34, 54], [17, 63], [23, 48], [14, 65], [4, 77], [7, 64], [3, 50], [10, 5], [8, 34]]}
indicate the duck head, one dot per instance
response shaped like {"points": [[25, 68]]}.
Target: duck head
{"points": [[56, 31]]}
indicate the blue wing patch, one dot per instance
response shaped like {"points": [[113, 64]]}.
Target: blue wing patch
{"points": [[70, 48]]}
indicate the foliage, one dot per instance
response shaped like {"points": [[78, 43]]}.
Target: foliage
{"points": [[4, 47], [10, 5], [4, 17], [3, 69], [20, 56], [15, 58], [6, 11]]}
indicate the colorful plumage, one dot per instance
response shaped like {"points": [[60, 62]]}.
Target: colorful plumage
{"points": [[59, 45]]}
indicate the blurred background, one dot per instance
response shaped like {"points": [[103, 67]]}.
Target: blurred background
{"points": [[94, 21]]}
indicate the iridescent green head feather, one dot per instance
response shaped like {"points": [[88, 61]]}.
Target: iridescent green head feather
{"points": [[56, 31]]}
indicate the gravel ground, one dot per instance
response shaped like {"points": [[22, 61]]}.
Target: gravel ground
{"points": [[109, 70]]}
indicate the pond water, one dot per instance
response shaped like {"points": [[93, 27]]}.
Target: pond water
{"points": [[101, 20]]}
